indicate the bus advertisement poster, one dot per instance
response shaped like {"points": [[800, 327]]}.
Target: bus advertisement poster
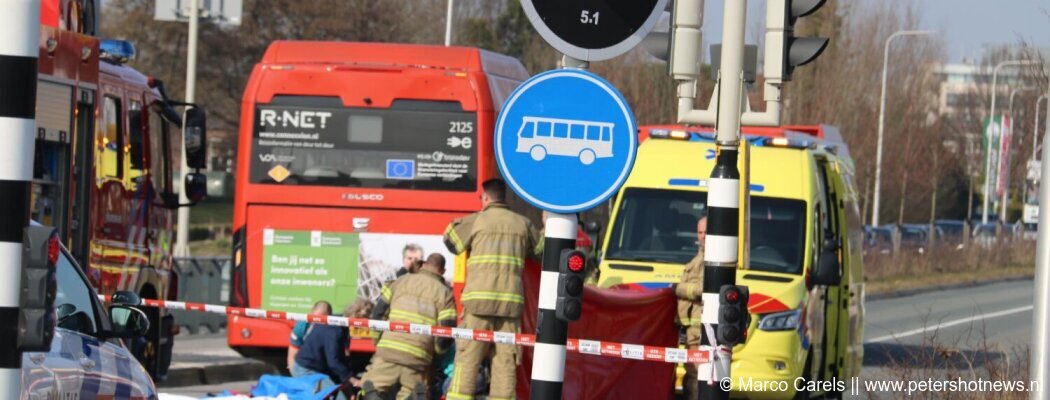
{"points": [[303, 267], [382, 254]]}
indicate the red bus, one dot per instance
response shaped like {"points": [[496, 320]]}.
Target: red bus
{"points": [[353, 157], [103, 166]]}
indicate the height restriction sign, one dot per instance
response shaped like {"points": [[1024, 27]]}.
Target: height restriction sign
{"points": [[593, 30]]}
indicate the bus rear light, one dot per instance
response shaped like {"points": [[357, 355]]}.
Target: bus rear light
{"points": [[53, 248]]}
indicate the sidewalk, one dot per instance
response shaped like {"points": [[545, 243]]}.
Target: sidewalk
{"points": [[207, 360]]}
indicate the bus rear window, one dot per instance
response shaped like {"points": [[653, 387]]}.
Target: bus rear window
{"points": [[429, 145]]}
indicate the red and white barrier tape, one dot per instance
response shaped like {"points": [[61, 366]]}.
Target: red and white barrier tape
{"points": [[592, 347]]}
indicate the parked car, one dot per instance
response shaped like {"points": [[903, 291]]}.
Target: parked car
{"points": [[88, 358], [915, 237], [879, 239], [984, 234], [950, 232]]}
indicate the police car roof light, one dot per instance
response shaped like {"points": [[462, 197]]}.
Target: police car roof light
{"points": [[116, 51]]}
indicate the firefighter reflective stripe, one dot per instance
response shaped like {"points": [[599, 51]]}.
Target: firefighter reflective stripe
{"points": [[456, 396], [415, 351], [454, 239], [447, 314], [475, 259], [387, 294], [495, 296], [408, 316], [690, 321]]}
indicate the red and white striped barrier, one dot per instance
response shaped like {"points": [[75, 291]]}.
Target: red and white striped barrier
{"points": [[583, 346]]}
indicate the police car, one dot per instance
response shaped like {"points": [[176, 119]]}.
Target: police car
{"points": [[87, 358]]}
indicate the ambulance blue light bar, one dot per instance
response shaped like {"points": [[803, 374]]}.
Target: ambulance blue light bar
{"points": [[788, 143], [116, 51]]}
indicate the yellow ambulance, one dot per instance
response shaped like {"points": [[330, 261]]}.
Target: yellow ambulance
{"points": [[803, 266]]}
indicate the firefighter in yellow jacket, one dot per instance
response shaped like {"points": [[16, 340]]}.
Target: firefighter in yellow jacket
{"points": [[497, 241], [401, 358], [689, 292]]}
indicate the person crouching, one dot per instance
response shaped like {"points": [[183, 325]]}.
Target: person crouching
{"points": [[400, 358]]}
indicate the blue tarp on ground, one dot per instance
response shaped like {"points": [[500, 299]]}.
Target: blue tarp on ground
{"points": [[301, 388]]}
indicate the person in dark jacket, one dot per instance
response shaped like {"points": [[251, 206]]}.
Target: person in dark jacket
{"points": [[302, 329], [324, 352]]}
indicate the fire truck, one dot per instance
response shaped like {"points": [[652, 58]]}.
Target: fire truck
{"points": [[103, 164]]}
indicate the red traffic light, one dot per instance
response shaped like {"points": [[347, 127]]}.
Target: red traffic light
{"points": [[732, 296], [576, 262]]}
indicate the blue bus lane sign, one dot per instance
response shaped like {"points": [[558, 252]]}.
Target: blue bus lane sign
{"points": [[566, 140]]}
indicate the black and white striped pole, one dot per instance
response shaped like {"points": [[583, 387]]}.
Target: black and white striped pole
{"points": [[723, 202], [552, 332], [20, 30]]}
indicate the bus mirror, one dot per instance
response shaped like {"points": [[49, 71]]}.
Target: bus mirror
{"points": [[194, 131], [196, 187]]}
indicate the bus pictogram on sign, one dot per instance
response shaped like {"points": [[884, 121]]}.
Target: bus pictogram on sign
{"points": [[586, 140]]}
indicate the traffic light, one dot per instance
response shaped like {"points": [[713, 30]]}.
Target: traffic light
{"points": [[571, 267], [36, 320], [795, 51], [733, 318]]}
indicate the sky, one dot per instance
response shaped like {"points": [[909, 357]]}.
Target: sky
{"points": [[966, 25]]}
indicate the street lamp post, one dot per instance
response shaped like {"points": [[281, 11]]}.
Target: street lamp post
{"points": [[882, 120], [182, 227], [448, 23], [991, 120]]}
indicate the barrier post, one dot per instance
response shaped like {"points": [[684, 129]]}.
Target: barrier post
{"points": [[548, 362]]}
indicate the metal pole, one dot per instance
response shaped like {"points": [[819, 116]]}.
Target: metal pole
{"points": [[448, 23], [20, 28], [548, 363], [1006, 174], [991, 120], [882, 121], [1040, 369], [720, 255], [1035, 131], [182, 234]]}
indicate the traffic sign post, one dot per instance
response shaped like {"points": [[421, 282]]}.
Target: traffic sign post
{"points": [[565, 142], [593, 30]]}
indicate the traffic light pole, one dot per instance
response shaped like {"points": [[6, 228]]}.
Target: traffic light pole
{"points": [[548, 362], [20, 28], [723, 201]]}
